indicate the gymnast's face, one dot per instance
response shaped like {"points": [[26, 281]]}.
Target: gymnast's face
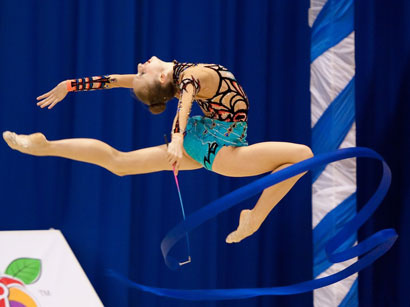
{"points": [[149, 72], [153, 85]]}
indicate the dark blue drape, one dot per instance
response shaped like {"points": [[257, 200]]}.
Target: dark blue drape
{"points": [[118, 222], [383, 96]]}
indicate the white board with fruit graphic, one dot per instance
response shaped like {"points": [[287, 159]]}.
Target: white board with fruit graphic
{"points": [[38, 269]]}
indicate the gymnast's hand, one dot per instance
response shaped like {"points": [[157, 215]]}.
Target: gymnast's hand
{"points": [[54, 96], [175, 151]]}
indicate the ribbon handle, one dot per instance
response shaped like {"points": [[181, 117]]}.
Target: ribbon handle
{"points": [[183, 213]]}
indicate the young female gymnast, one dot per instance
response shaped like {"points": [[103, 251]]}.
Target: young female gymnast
{"points": [[216, 141]]}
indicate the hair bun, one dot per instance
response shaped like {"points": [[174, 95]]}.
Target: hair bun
{"points": [[157, 108]]}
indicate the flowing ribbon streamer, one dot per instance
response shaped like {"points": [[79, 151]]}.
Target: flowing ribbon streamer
{"points": [[370, 249]]}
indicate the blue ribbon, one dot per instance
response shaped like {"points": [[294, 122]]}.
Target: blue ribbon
{"points": [[370, 249]]}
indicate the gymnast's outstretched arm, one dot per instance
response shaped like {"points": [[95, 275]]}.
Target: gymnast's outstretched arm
{"points": [[93, 151], [58, 93]]}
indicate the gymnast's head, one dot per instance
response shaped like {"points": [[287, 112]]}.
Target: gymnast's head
{"points": [[154, 85]]}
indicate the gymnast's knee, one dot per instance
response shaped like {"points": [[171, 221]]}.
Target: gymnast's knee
{"points": [[304, 152], [117, 165]]}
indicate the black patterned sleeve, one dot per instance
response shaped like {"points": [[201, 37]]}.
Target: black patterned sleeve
{"points": [[188, 90]]}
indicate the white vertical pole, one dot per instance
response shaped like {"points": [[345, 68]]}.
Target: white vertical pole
{"points": [[333, 126]]}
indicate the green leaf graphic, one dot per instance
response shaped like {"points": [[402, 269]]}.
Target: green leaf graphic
{"points": [[26, 269]]}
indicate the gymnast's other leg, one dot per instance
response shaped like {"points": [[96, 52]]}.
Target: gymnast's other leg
{"points": [[254, 160], [93, 151]]}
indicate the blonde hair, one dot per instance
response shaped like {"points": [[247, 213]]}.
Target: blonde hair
{"points": [[156, 95]]}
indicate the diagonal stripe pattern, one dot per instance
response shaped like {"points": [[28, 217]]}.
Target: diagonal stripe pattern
{"points": [[333, 127]]}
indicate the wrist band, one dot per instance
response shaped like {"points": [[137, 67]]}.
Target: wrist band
{"points": [[88, 83]]}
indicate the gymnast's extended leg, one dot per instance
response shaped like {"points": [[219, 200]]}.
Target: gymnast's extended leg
{"points": [[254, 160], [93, 151]]}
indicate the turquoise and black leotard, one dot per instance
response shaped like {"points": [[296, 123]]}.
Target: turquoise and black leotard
{"points": [[226, 114]]}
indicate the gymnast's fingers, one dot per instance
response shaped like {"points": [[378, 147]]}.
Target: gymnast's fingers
{"points": [[177, 163], [170, 158], [44, 95], [44, 102], [176, 168], [172, 161], [53, 103], [40, 104]]}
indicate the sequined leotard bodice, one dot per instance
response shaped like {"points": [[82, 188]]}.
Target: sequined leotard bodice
{"points": [[228, 104]]}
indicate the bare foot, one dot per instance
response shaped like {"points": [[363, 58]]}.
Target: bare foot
{"points": [[247, 227], [33, 144]]}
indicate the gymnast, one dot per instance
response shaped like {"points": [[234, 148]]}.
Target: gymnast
{"points": [[215, 141]]}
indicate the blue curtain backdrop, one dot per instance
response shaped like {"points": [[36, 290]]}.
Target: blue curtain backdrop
{"points": [[118, 222], [383, 123]]}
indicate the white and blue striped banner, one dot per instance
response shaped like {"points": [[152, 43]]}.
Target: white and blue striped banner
{"points": [[332, 87]]}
